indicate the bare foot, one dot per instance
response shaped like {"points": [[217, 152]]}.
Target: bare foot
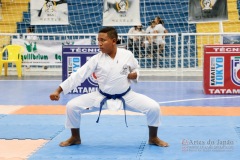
{"points": [[70, 141], [158, 142]]}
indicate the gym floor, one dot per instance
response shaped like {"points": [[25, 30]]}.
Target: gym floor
{"points": [[197, 126]]}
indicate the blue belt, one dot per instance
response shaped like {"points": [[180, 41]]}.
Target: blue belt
{"points": [[115, 96]]}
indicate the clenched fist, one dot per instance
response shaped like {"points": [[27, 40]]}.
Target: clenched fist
{"points": [[55, 96], [132, 75]]}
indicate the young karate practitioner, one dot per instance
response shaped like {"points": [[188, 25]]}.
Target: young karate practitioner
{"points": [[114, 68]]}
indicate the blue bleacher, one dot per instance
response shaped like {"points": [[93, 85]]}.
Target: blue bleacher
{"points": [[167, 8], [83, 2], [81, 8]]}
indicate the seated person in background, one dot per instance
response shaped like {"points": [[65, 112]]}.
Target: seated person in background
{"points": [[158, 20], [135, 42], [150, 28], [30, 29], [159, 28], [149, 39]]}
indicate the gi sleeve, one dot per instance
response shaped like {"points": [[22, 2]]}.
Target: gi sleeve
{"points": [[78, 77], [134, 67]]}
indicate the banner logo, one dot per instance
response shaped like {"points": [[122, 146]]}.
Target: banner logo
{"points": [[31, 46], [50, 6], [207, 4], [235, 70], [93, 80], [122, 6], [216, 71], [73, 64]]}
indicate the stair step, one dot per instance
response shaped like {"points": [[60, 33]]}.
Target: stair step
{"points": [[14, 8], [4, 40], [8, 28], [11, 18], [15, 1]]}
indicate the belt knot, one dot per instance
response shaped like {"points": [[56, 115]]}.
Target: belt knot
{"points": [[115, 96]]}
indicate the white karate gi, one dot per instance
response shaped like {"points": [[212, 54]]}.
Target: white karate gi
{"points": [[112, 79]]}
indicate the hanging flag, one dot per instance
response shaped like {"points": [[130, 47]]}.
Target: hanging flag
{"points": [[207, 11], [121, 13], [49, 12]]}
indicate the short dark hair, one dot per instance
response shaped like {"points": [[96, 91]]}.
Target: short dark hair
{"points": [[111, 32]]}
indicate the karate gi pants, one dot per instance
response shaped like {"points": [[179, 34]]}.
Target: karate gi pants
{"points": [[90, 102]]}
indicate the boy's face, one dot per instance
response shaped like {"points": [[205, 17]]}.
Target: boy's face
{"points": [[105, 43]]}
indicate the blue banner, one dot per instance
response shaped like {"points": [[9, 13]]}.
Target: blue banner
{"points": [[75, 56]]}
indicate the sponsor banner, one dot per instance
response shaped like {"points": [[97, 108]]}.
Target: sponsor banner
{"points": [[219, 49], [75, 56], [221, 71], [48, 12], [217, 71], [235, 70], [121, 13], [231, 39], [44, 52], [207, 11], [223, 91]]}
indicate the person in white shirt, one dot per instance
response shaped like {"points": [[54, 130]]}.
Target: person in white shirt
{"points": [[31, 38], [150, 28], [115, 69], [135, 30], [136, 42], [149, 44], [159, 28]]}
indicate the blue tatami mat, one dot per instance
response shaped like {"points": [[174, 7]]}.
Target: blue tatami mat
{"points": [[2, 115], [109, 139], [31, 126], [190, 137], [29, 131], [33, 120]]}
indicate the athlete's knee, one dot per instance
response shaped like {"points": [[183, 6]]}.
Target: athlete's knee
{"points": [[71, 106], [153, 115], [155, 107]]}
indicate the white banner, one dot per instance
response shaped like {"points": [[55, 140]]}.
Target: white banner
{"points": [[121, 13], [46, 12], [45, 52], [207, 11]]}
